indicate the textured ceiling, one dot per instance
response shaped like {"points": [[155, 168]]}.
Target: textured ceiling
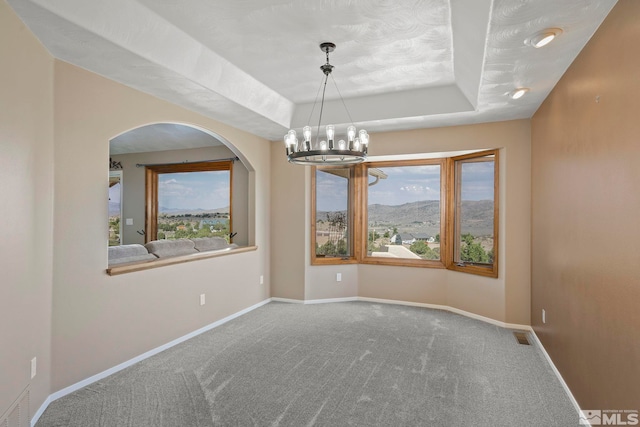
{"points": [[160, 137], [254, 64]]}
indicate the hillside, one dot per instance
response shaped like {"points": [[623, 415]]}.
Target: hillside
{"points": [[478, 218]]}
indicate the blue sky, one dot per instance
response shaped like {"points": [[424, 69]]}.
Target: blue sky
{"points": [[406, 184], [194, 190], [477, 181]]}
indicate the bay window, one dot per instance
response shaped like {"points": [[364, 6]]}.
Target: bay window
{"points": [[438, 213]]}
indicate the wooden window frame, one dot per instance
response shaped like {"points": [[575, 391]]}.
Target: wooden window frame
{"points": [[363, 213], [352, 227], [449, 229], [151, 189], [453, 223]]}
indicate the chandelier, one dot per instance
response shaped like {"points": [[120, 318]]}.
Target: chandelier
{"points": [[327, 151]]}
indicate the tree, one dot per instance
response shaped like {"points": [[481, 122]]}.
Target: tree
{"points": [[181, 234], [437, 238], [423, 249], [419, 248], [470, 251], [204, 232], [337, 230], [327, 249]]}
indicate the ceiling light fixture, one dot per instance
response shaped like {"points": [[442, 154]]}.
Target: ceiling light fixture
{"points": [[329, 151], [543, 38], [518, 92]]}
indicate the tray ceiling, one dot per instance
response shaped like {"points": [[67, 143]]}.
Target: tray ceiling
{"points": [[254, 64]]}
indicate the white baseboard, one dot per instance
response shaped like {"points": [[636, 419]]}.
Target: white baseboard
{"points": [[555, 371], [288, 300], [57, 395], [412, 304], [314, 301], [329, 300], [40, 411]]}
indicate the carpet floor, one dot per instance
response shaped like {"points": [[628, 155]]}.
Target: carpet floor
{"points": [[336, 364]]}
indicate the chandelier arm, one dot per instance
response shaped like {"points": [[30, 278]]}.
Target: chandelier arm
{"points": [[342, 99]]}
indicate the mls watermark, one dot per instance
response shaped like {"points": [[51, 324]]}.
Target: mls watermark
{"points": [[609, 417]]}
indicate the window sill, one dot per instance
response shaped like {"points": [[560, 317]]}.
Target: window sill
{"points": [[489, 271], [333, 260], [162, 262], [403, 262]]}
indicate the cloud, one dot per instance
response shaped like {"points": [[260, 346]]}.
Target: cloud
{"points": [[195, 190]]}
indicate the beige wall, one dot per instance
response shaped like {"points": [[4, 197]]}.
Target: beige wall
{"points": [[288, 221], [504, 299], [26, 211], [98, 320], [586, 200], [134, 188]]}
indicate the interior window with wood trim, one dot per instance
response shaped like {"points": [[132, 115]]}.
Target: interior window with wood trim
{"points": [[332, 201], [403, 213], [474, 213], [188, 200]]}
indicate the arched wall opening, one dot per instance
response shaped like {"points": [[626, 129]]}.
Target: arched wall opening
{"points": [[175, 143]]}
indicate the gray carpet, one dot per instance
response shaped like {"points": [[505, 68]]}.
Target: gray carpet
{"points": [[340, 364]]}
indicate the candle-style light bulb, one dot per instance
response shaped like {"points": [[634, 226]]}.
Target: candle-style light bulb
{"points": [[364, 140], [330, 131], [286, 144], [351, 135]]}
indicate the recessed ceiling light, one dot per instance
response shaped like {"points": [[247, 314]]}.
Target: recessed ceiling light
{"points": [[518, 92], [543, 38]]}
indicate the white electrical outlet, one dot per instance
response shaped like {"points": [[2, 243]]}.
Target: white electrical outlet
{"points": [[202, 299], [338, 277], [261, 279], [129, 221], [33, 367], [544, 316]]}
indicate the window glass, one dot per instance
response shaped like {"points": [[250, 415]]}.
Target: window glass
{"points": [[475, 211], [193, 204], [403, 211], [333, 212], [188, 200], [115, 208]]}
